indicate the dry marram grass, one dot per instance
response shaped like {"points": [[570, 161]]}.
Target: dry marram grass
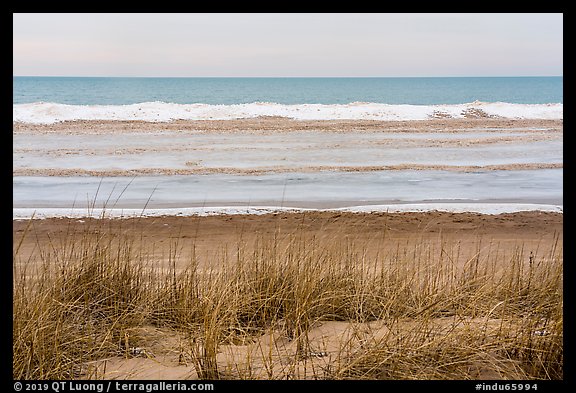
{"points": [[288, 306]]}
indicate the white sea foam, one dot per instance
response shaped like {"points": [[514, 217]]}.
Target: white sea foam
{"points": [[483, 208], [48, 113]]}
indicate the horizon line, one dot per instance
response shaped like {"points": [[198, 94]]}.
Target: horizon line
{"points": [[287, 77]]}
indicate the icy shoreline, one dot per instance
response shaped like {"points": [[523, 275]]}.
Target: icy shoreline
{"points": [[50, 113], [482, 208]]}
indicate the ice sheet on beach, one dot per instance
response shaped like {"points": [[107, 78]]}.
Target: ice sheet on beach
{"points": [[318, 190], [47, 113], [482, 208], [186, 152]]}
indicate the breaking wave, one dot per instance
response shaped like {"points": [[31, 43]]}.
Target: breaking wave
{"points": [[48, 113]]}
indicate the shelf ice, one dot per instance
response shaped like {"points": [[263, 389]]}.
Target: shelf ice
{"points": [[48, 113]]}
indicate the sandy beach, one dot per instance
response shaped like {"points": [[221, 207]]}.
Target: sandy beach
{"points": [[277, 142], [214, 242], [208, 234], [301, 294]]}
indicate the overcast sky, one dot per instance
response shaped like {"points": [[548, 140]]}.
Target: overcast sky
{"points": [[288, 44]]}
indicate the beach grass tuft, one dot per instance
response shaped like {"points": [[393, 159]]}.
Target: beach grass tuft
{"points": [[288, 306]]}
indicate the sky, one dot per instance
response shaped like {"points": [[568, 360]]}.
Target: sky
{"points": [[288, 45]]}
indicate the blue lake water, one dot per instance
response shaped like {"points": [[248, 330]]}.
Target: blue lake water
{"points": [[227, 91]]}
